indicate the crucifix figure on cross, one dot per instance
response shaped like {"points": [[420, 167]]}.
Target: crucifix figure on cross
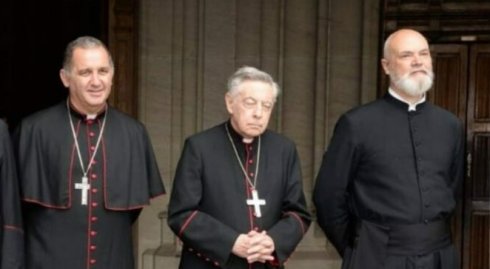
{"points": [[256, 202], [84, 187]]}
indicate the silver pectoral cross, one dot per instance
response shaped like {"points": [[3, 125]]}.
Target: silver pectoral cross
{"points": [[84, 187], [256, 202]]}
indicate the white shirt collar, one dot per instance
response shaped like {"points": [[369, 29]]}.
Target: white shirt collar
{"points": [[411, 107]]}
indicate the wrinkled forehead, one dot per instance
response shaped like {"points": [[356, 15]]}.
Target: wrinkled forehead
{"points": [[408, 42], [96, 56], [256, 89]]}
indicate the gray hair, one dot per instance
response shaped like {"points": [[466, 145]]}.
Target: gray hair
{"points": [[84, 42], [248, 73]]}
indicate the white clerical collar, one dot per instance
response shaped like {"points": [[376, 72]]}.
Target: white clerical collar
{"points": [[411, 107], [91, 116]]}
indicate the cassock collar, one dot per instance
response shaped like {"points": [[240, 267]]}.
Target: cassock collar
{"points": [[403, 104], [245, 151], [237, 138], [74, 112], [411, 107]]}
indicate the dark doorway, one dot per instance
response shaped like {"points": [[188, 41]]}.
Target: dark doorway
{"points": [[33, 37], [463, 87]]}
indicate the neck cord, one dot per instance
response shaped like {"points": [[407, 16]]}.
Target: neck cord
{"points": [[76, 140], [253, 184]]}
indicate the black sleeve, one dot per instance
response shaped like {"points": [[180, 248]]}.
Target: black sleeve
{"points": [[289, 230], [196, 228], [330, 194], [12, 255]]}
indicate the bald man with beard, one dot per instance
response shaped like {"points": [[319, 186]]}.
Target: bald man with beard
{"points": [[389, 180]]}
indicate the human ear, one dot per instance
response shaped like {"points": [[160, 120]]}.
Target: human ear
{"points": [[229, 103], [385, 64], [65, 78]]}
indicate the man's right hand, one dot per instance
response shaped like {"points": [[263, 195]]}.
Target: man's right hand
{"points": [[241, 246], [254, 246]]}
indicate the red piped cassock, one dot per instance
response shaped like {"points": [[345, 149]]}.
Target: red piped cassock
{"points": [[208, 208], [11, 234], [62, 233]]}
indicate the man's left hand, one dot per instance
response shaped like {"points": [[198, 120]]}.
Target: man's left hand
{"points": [[261, 247]]}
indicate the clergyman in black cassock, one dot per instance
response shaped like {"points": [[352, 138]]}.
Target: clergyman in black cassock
{"points": [[211, 205], [86, 171], [12, 234], [389, 179]]}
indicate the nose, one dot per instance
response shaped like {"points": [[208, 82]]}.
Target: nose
{"points": [[417, 61], [258, 111], [95, 80]]}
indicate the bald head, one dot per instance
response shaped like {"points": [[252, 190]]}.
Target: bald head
{"points": [[401, 39], [408, 62]]}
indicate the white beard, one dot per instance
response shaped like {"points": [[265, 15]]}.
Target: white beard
{"points": [[413, 87]]}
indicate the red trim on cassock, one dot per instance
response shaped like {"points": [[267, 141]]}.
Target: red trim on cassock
{"points": [[248, 187], [298, 218], [14, 228], [187, 222], [274, 262], [134, 207], [34, 201], [89, 202]]}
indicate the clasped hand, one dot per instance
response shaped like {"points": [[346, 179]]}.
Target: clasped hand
{"points": [[254, 246]]}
